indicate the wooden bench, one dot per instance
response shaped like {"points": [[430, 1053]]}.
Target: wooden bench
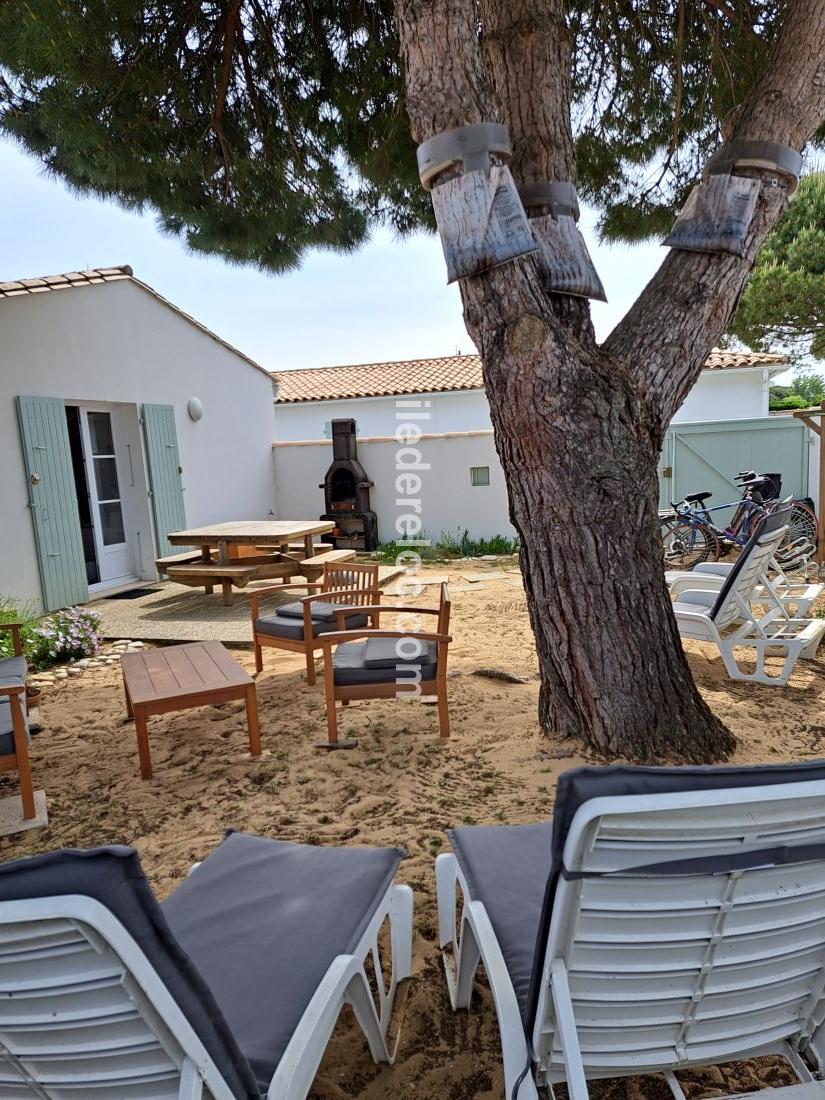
{"points": [[320, 547], [199, 574], [178, 559], [312, 568]]}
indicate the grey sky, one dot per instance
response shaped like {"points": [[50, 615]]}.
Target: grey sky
{"points": [[388, 301]]}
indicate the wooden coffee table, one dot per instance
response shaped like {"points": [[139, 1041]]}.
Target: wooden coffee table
{"points": [[157, 681]]}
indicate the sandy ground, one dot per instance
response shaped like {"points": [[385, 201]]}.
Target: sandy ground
{"points": [[401, 786]]}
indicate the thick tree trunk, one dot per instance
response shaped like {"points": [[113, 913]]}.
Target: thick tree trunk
{"points": [[580, 462], [578, 428]]}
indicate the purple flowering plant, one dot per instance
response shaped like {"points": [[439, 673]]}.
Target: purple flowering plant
{"points": [[63, 636]]}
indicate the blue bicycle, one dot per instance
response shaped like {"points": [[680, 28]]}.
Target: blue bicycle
{"points": [[690, 535]]}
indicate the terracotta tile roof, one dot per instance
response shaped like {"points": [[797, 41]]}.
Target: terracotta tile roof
{"points": [[16, 288], [450, 372], [726, 360], [59, 282]]}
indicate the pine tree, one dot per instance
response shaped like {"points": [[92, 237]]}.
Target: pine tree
{"points": [[258, 129], [784, 301]]}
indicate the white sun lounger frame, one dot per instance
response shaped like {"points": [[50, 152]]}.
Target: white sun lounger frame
{"points": [[615, 940], [794, 600], [146, 1048], [736, 624]]}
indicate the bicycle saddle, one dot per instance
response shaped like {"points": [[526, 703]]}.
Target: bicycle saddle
{"points": [[697, 498]]}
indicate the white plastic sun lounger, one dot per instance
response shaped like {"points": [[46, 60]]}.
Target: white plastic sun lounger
{"points": [[726, 617], [666, 918], [229, 991], [775, 588]]}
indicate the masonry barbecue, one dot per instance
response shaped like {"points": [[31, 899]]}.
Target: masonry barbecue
{"points": [[347, 493]]}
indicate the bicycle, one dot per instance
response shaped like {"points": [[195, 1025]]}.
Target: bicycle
{"points": [[690, 536]]}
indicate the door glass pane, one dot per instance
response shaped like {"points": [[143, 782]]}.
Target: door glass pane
{"points": [[111, 523], [100, 433], [106, 479]]}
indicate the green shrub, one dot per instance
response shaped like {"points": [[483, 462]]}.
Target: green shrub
{"points": [[13, 612], [450, 546], [792, 401]]}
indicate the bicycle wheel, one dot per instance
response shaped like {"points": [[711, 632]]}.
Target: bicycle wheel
{"points": [[802, 523], [686, 544]]}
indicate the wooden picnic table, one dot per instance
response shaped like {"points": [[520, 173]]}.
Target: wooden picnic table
{"points": [[245, 550]]}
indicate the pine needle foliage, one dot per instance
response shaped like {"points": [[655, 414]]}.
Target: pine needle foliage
{"points": [[783, 305], [259, 129]]}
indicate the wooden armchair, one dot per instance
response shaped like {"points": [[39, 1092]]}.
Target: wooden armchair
{"points": [[386, 664], [299, 626], [14, 738]]}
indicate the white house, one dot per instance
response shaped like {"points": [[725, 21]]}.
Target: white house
{"points": [[462, 482], [121, 419]]}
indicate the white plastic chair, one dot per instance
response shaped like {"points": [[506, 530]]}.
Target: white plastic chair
{"points": [[725, 615], [676, 920], [775, 588], [229, 991]]}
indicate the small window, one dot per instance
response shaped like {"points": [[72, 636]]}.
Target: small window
{"points": [[479, 475]]}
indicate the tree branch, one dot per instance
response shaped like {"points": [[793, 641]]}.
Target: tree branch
{"points": [[230, 29], [526, 46], [687, 306]]}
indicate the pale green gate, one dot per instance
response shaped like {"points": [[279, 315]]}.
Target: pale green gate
{"points": [[699, 458], [163, 462], [52, 501]]}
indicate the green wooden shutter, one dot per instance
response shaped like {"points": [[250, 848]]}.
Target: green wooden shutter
{"points": [[163, 461], [53, 500]]}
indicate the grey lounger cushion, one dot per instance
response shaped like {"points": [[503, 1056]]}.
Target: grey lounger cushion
{"points": [[525, 860], [263, 919], [349, 665], [13, 670], [113, 876], [282, 626], [505, 867], [6, 735], [321, 610]]}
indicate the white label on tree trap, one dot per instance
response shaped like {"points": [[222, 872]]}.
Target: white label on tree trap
{"points": [[481, 222]]}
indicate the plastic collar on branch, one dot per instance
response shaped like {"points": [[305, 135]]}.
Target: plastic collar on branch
{"points": [[767, 155], [559, 197], [472, 145]]}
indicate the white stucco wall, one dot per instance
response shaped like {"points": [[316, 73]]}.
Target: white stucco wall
{"points": [[729, 394], [726, 395], [449, 502], [462, 411], [115, 342]]}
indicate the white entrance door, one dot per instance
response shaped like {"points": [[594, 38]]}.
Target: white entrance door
{"points": [[114, 553]]}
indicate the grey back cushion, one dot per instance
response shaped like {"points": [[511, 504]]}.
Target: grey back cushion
{"points": [[113, 876], [13, 670], [766, 526], [321, 610], [582, 784], [6, 734], [385, 653], [349, 668]]}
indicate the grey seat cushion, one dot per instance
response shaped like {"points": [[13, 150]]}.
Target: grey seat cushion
{"points": [[505, 867], [514, 870], [113, 876], [321, 610], [349, 665], [282, 626], [6, 735], [13, 670], [263, 919], [389, 652]]}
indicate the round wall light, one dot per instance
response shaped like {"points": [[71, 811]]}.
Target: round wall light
{"points": [[194, 408]]}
